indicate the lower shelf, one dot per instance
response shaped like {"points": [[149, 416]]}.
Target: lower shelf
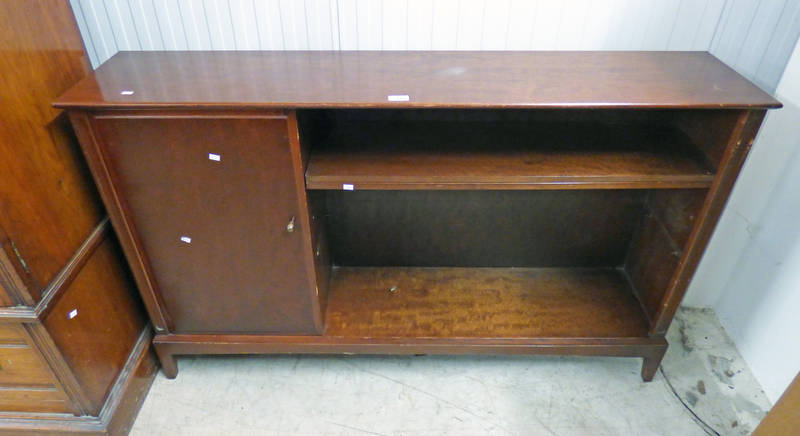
{"points": [[575, 311], [482, 303]]}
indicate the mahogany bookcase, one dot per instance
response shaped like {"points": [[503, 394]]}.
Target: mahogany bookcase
{"points": [[414, 202]]}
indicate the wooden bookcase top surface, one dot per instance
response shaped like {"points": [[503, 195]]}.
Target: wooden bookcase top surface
{"points": [[392, 79]]}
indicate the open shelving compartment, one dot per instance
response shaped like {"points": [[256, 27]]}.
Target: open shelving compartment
{"points": [[559, 227]]}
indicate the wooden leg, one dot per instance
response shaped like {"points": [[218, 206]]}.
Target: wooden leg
{"points": [[651, 363], [168, 364]]}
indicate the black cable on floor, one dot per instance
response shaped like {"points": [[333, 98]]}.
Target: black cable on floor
{"points": [[706, 428]]}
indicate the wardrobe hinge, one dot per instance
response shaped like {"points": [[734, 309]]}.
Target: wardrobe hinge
{"points": [[20, 258]]}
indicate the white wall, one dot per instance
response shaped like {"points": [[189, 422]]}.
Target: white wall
{"points": [[753, 36], [741, 220], [758, 298]]}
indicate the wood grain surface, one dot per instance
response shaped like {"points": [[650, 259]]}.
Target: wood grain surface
{"points": [[215, 231], [334, 79], [482, 302], [75, 315], [94, 348], [48, 203]]}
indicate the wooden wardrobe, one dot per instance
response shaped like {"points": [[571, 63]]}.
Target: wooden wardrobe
{"points": [[74, 341]]}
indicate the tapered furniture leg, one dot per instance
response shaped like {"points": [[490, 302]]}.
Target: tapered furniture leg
{"points": [[168, 364], [650, 364]]}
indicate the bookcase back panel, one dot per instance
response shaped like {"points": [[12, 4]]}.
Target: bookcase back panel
{"points": [[574, 228]]}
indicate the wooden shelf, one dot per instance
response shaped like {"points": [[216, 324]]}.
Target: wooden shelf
{"points": [[484, 155], [482, 303]]}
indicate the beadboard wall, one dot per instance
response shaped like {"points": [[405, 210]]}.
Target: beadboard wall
{"points": [[756, 37]]}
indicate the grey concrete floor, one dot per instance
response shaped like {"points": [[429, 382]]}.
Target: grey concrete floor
{"points": [[464, 395]]}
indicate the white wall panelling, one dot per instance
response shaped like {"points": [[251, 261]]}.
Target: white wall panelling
{"points": [[755, 37], [758, 243], [764, 64]]}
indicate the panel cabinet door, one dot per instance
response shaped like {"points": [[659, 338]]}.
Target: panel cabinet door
{"points": [[214, 202]]}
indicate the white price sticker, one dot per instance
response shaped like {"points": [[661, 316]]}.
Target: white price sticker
{"points": [[347, 187], [186, 239], [214, 157], [398, 97]]}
